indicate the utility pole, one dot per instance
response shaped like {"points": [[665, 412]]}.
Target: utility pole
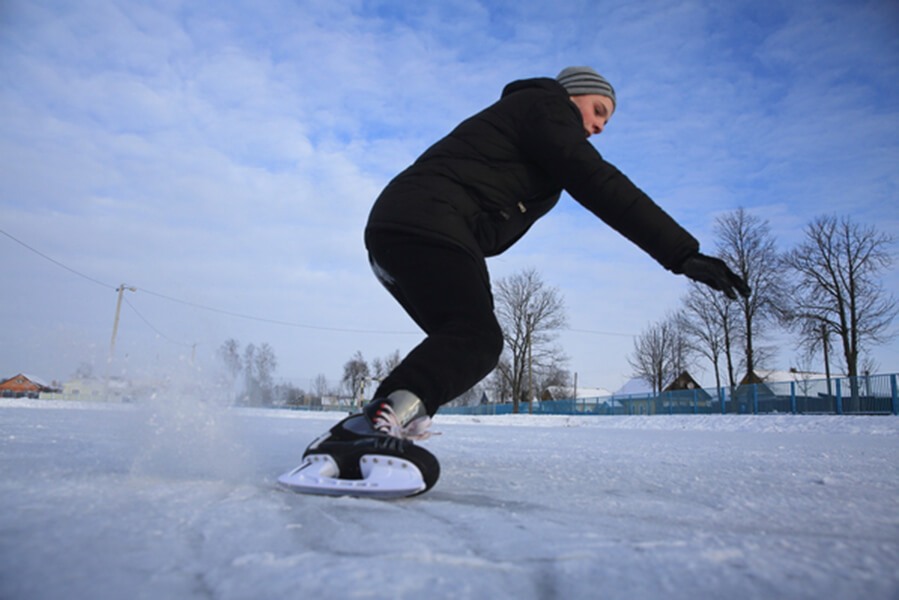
{"points": [[362, 385], [115, 327], [118, 310], [530, 369], [575, 388], [826, 343]]}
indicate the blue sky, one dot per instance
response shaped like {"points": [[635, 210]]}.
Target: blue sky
{"points": [[226, 154]]}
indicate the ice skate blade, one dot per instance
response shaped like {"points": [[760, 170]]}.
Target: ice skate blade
{"points": [[384, 477]]}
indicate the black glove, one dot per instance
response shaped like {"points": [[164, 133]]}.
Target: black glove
{"points": [[716, 274]]}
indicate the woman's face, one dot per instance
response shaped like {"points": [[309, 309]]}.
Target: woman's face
{"points": [[596, 111]]}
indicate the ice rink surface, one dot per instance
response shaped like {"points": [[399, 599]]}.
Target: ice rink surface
{"points": [[177, 499]]}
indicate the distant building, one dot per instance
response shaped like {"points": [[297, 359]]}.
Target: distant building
{"points": [[774, 391], [773, 377], [680, 394], [560, 392], [92, 389], [582, 400], [25, 386]]}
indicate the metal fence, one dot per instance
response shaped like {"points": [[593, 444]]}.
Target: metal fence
{"points": [[863, 395]]}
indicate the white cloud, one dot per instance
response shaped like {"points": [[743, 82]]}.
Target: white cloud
{"points": [[228, 153]]}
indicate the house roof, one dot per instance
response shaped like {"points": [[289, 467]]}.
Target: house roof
{"points": [[640, 387], [559, 391], [35, 380], [770, 376], [634, 387]]}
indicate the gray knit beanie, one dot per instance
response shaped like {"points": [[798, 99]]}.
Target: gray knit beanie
{"points": [[579, 81]]}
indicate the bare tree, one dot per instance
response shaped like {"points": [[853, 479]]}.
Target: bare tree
{"points": [[251, 385], [229, 352], [555, 375], [530, 314], [355, 374], [381, 367], [266, 364], [287, 394], [470, 397], [320, 389], [707, 319], [500, 382], [746, 244], [681, 353], [837, 291], [660, 353], [259, 364]]}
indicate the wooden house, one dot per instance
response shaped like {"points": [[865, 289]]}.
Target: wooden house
{"points": [[680, 394], [24, 386]]}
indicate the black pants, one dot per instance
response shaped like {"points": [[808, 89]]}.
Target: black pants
{"points": [[447, 292]]}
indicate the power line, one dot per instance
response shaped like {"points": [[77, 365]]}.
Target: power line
{"points": [[57, 263], [272, 321], [245, 316], [151, 326], [204, 307], [612, 333]]}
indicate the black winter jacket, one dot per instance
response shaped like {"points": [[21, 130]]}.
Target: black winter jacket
{"points": [[484, 185]]}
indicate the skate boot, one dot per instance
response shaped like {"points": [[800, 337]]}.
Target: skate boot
{"points": [[372, 453]]}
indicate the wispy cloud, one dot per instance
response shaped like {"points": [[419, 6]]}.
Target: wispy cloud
{"points": [[228, 153]]}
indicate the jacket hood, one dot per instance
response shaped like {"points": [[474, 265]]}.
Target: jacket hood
{"points": [[540, 83]]}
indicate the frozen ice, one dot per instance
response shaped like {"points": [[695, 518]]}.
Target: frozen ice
{"points": [[178, 499]]}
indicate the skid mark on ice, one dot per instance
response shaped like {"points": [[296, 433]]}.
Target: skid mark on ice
{"points": [[272, 560], [482, 501], [468, 561]]}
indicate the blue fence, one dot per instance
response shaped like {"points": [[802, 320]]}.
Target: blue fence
{"points": [[864, 395]]}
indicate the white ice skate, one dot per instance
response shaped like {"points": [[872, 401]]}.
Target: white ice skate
{"points": [[370, 454]]}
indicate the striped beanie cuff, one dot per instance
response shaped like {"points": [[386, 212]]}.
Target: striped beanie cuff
{"points": [[579, 81]]}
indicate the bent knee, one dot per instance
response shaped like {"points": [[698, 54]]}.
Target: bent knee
{"points": [[496, 340], [488, 340]]}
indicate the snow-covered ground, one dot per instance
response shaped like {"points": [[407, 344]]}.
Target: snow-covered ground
{"points": [[177, 500]]}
